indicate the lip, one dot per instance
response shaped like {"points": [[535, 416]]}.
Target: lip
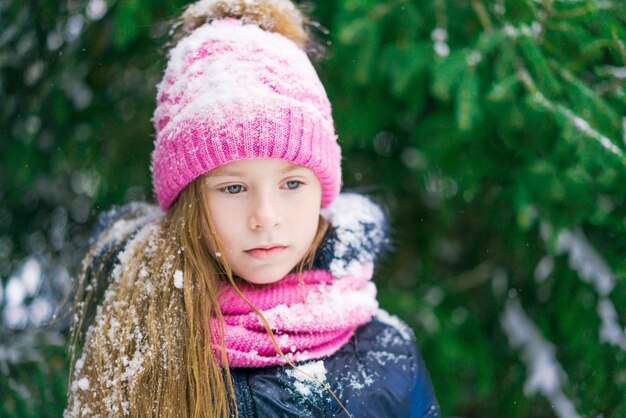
{"points": [[266, 252]]}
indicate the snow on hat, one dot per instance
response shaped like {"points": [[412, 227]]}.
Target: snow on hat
{"points": [[233, 91]]}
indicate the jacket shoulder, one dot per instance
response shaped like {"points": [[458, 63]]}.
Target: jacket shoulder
{"points": [[119, 222], [111, 233], [382, 373]]}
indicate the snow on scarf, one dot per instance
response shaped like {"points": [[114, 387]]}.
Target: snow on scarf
{"points": [[314, 313]]}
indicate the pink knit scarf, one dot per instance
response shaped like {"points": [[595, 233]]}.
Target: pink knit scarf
{"points": [[312, 315]]}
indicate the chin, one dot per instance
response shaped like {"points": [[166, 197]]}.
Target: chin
{"points": [[260, 278], [264, 280]]}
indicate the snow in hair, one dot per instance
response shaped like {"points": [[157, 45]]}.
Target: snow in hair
{"points": [[280, 16]]}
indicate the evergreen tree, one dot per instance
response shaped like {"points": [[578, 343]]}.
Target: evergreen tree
{"points": [[493, 131]]}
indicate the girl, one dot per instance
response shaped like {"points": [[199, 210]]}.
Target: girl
{"points": [[248, 293]]}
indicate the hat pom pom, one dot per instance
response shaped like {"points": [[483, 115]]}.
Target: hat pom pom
{"points": [[280, 16]]}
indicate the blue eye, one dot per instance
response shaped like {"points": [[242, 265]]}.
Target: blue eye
{"points": [[233, 189], [293, 184]]}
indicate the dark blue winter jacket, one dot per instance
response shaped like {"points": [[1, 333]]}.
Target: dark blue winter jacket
{"points": [[378, 373]]}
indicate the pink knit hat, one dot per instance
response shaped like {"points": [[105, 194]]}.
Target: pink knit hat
{"points": [[233, 91]]}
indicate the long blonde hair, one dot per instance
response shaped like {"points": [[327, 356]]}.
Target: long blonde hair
{"points": [[145, 348]]}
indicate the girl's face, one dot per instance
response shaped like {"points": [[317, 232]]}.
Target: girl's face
{"points": [[265, 213]]}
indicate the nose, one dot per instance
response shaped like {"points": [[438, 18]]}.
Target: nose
{"points": [[265, 212]]}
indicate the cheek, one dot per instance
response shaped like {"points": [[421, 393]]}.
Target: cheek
{"points": [[311, 214], [224, 226], [307, 223], [209, 241]]}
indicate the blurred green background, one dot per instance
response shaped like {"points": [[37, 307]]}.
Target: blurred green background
{"points": [[493, 132]]}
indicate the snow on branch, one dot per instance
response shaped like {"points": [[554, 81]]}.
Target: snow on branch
{"points": [[592, 268], [581, 125], [610, 330], [585, 260], [568, 115], [545, 374]]}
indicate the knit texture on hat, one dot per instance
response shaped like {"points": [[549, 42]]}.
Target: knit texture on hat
{"points": [[232, 91]]}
